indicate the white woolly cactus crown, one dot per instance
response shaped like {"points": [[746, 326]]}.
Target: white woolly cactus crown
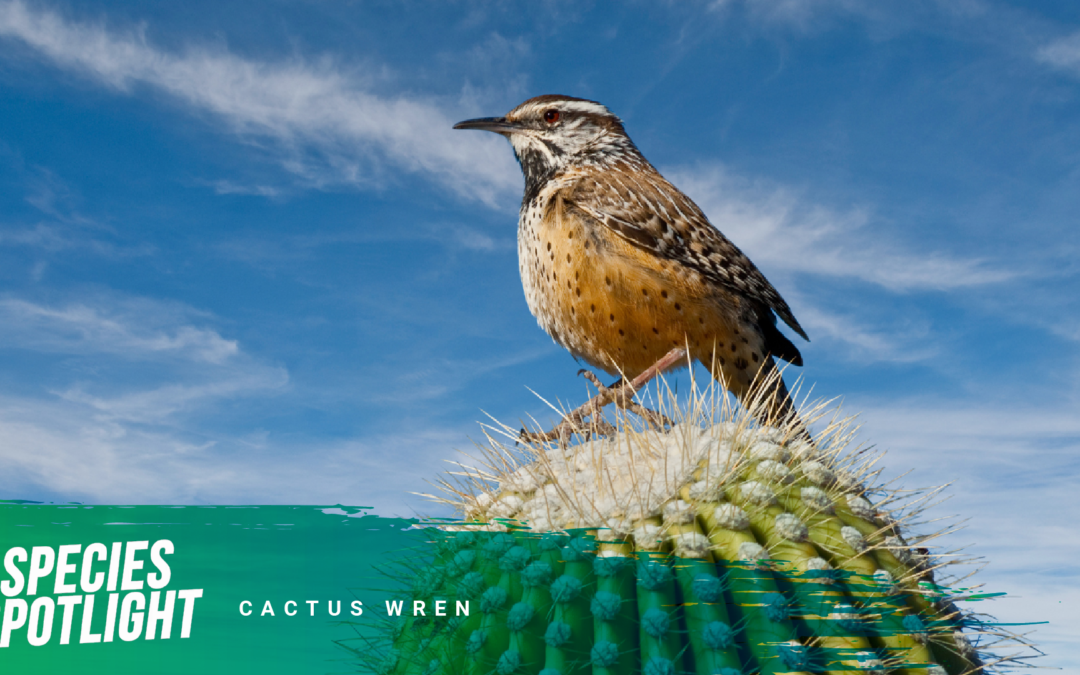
{"points": [[641, 473], [717, 486]]}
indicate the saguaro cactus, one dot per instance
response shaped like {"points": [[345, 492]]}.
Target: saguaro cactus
{"points": [[714, 547]]}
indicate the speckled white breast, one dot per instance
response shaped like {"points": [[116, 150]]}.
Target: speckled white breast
{"points": [[531, 264]]}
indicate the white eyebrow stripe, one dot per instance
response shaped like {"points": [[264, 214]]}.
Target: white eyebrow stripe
{"points": [[584, 107]]}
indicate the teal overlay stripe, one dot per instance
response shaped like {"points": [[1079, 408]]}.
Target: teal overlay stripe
{"points": [[309, 589], [316, 559]]}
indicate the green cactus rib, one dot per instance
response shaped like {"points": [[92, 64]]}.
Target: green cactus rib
{"points": [[528, 619], [614, 616], [711, 635], [661, 632], [569, 635], [715, 548]]}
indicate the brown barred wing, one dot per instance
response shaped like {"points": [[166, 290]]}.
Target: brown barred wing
{"points": [[647, 211]]}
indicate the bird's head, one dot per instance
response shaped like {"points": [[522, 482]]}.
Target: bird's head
{"points": [[551, 132]]}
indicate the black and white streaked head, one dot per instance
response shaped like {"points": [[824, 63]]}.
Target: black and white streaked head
{"points": [[552, 133]]}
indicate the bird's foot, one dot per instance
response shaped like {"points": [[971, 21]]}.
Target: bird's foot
{"points": [[621, 393]]}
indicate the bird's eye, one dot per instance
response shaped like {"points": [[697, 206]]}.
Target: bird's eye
{"points": [[551, 116]]}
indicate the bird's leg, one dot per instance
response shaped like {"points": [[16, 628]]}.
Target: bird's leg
{"points": [[591, 377], [619, 394], [622, 394], [614, 385], [597, 424]]}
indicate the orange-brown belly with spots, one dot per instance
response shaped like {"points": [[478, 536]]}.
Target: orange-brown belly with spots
{"points": [[621, 309]]}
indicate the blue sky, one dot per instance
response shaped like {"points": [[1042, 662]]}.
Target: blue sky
{"points": [[245, 259]]}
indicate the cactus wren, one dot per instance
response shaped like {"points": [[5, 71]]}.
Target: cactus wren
{"points": [[619, 266]]}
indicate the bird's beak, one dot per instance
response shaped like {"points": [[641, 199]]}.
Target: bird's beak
{"points": [[499, 125]]}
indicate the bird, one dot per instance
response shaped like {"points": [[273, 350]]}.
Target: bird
{"points": [[619, 266]]}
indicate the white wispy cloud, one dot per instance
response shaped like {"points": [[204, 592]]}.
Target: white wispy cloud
{"points": [[158, 404], [131, 421], [435, 378], [863, 343], [134, 360], [55, 238], [803, 14], [1068, 329], [781, 231], [282, 252], [327, 122], [121, 415], [51, 195], [228, 187], [1062, 53], [133, 328], [62, 448], [62, 227], [799, 11]]}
